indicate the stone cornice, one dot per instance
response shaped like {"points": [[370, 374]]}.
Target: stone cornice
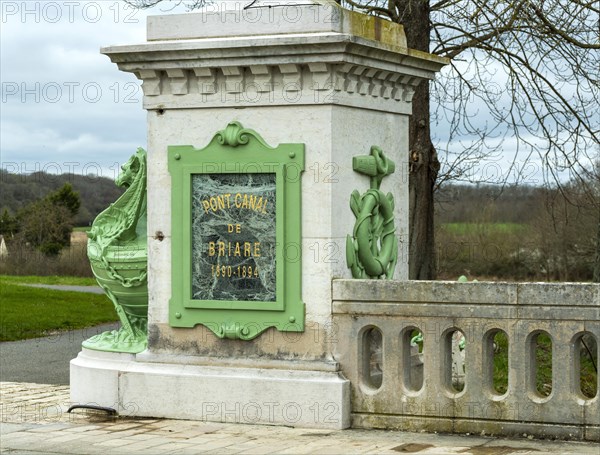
{"points": [[306, 47], [329, 68]]}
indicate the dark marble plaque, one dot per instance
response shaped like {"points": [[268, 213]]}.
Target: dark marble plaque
{"points": [[233, 237]]}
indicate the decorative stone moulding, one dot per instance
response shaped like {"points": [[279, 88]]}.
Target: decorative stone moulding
{"points": [[347, 59], [313, 83]]}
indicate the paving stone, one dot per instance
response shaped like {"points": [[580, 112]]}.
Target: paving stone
{"points": [[83, 435], [111, 443], [180, 447], [82, 428], [124, 426], [218, 444], [146, 436], [148, 446]]}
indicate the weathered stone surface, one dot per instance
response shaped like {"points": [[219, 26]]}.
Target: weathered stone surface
{"points": [[230, 18], [565, 312], [276, 395], [322, 85]]}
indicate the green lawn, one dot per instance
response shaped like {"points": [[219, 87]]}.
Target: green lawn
{"points": [[66, 280], [82, 228], [27, 312], [491, 228]]}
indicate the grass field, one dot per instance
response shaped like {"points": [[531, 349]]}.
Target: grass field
{"points": [[28, 312], [66, 280], [493, 251], [491, 228], [24, 261]]}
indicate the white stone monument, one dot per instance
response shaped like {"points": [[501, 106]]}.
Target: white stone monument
{"points": [[294, 72]]}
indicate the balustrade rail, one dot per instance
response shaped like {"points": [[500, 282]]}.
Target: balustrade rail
{"points": [[424, 356]]}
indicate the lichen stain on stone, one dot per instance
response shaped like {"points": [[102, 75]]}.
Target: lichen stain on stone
{"points": [[411, 447], [153, 335], [200, 341], [496, 450], [376, 29]]}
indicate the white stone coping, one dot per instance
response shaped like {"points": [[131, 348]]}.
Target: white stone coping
{"points": [[501, 301], [297, 69], [292, 48], [478, 292], [246, 18]]}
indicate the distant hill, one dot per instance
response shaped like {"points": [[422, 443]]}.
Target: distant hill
{"points": [[454, 203], [18, 190]]}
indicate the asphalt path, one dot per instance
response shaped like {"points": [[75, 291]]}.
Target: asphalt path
{"points": [[64, 287], [46, 360]]}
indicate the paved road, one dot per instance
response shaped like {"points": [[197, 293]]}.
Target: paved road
{"points": [[44, 360], [64, 287]]}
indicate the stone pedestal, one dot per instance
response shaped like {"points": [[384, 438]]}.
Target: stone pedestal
{"points": [[337, 82]]}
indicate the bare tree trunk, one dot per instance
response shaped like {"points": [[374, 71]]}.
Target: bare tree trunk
{"points": [[597, 258], [424, 164]]}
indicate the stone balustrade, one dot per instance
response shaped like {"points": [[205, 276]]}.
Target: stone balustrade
{"points": [[448, 386]]}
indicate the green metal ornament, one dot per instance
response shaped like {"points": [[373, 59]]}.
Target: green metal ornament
{"points": [[117, 249], [236, 240], [372, 250]]}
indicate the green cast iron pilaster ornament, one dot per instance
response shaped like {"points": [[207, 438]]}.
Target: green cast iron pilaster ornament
{"points": [[372, 250], [117, 249], [236, 242]]}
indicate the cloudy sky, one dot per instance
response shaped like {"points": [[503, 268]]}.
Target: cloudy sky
{"points": [[65, 107]]}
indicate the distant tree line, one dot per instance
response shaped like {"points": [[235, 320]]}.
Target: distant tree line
{"points": [[19, 190], [38, 211], [45, 224], [518, 232], [484, 231]]}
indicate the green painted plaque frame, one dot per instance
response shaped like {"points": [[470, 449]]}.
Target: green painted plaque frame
{"points": [[238, 150]]}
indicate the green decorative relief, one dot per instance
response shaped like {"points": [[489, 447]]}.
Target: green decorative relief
{"points": [[372, 250], [117, 249], [236, 251]]}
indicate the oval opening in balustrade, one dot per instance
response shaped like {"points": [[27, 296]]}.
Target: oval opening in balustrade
{"points": [[540, 354], [412, 358], [496, 361], [586, 364], [453, 358], [372, 358]]}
